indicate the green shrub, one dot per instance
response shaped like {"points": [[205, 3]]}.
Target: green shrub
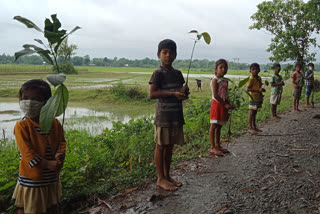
{"points": [[120, 91], [66, 68], [9, 167]]}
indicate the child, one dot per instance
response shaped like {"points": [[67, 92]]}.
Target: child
{"points": [[297, 80], [220, 105], [165, 85], [276, 89], [38, 189], [255, 100], [309, 78], [199, 84]]}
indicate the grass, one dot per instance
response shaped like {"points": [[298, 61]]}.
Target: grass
{"points": [[16, 69], [25, 69]]}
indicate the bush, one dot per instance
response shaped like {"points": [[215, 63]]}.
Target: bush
{"points": [[66, 68], [9, 167], [120, 91], [109, 163]]}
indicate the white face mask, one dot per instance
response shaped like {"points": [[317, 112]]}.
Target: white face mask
{"points": [[310, 68], [31, 108]]}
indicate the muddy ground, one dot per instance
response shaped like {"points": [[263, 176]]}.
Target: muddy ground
{"points": [[275, 171]]}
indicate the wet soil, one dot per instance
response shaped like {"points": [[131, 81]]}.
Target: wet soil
{"points": [[275, 171]]}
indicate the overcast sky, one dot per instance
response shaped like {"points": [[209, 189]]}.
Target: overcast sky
{"points": [[133, 28]]}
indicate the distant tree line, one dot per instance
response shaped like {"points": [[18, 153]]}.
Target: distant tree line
{"points": [[203, 64]]}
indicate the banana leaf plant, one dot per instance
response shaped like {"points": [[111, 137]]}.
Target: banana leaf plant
{"points": [[207, 38], [57, 104]]}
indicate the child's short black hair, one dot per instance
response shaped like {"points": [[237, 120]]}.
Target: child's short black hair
{"points": [[42, 86], [254, 65], [167, 43], [276, 66], [311, 64], [221, 61], [298, 64]]}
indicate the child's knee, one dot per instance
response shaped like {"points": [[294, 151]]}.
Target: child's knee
{"points": [[213, 126]]}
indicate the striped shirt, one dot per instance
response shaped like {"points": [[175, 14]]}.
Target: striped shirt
{"points": [[169, 111], [48, 176]]}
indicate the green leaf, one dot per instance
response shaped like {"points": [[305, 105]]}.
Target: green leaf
{"points": [[248, 94], [56, 47], [54, 107], [48, 112], [199, 36], [64, 37], [63, 93], [27, 22], [193, 31], [42, 52], [266, 82], [220, 79], [206, 37], [52, 32], [39, 41], [54, 37], [243, 82], [7, 185], [23, 52], [56, 79], [73, 30], [45, 55]]}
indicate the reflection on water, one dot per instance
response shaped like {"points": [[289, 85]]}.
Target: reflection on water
{"points": [[91, 86], [76, 118]]}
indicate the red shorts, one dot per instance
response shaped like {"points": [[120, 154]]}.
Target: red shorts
{"points": [[218, 113]]}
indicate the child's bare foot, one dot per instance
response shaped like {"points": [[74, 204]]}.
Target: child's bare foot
{"points": [[276, 117], [224, 150], [216, 152], [252, 131], [166, 185], [257, 130], [174, 182]]}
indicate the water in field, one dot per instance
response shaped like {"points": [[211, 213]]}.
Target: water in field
{"points": [[93, 121]]}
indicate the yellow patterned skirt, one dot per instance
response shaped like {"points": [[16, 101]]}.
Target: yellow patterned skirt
{"points": [[37, 200]]}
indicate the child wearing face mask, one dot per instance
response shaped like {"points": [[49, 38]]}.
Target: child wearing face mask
{"points": [[38, 188], [309, 79]]}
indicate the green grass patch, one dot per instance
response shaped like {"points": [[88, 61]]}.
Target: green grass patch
{"points": [[14, 69]]}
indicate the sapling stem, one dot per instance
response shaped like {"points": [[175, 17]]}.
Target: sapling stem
{"points": [[194, 45], [64, 110]]}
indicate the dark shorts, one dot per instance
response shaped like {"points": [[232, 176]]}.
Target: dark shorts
{"points": [[297, 92], [308, 90]]}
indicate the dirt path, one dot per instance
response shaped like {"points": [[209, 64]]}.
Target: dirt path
{"points": [[276, 171]]}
